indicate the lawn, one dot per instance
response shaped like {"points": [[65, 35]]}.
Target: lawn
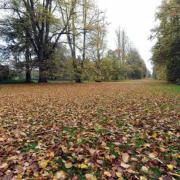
{"points": [[121, 130]]}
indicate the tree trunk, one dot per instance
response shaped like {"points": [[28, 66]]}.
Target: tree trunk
{"points": [[78, 79], [28, 68], [28, 76], [43, 73], [78, 75]]}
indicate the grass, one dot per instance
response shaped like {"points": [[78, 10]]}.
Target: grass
{"points": [[171, 88], [16, 81]]}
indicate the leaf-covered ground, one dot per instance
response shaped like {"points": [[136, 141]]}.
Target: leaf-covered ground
{"points": [[125, 130]]}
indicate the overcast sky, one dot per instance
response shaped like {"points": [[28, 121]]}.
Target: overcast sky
{"points": [[137, 17]]}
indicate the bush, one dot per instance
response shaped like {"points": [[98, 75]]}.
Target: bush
{"points": [[4, 72], [173, 70]]}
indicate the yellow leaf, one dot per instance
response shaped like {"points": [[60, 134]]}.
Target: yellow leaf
{"points": [[143, 178], [36, 174], [154, 135], [174, 174], [83, 166], [43, 164], [119, 175], [125, 157], [90, 177], [18, 177], [170, 167]]}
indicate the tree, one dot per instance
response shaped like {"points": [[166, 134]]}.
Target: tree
{"points": [[65, 39], [98, 41], [17, 44], [135, 64], [166, 52], [80, 32], [43, 26], [71, 36], [4, 72], [122, 44]]}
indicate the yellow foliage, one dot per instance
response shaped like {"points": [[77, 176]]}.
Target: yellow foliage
{"points": [[43, 163]]}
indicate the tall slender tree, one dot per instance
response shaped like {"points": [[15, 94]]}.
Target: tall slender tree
{"points": [[122, 44], [98, 41]]}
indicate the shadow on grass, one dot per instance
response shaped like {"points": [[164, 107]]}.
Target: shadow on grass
{"points": [[12, 81]]}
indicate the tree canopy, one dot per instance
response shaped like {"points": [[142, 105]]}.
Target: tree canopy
{"points": [[166, 52], [65, 39]]}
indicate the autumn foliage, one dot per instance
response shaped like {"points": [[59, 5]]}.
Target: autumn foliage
{"points": [[89, 131]]}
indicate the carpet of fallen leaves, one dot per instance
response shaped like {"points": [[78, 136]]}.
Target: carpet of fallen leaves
{"points": [[89, 131]]}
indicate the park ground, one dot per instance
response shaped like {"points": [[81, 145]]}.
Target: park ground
{"points": [[121, 130]]}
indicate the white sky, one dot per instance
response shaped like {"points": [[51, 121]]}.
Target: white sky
{"points": [[137, 17]]}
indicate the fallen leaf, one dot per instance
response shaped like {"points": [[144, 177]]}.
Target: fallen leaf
{"points": [[90, 177], [68, 165], [60, 175], [152, 155], [92, 151], [83, 166], [43, 163], [126, 166], [108, 174], [18, 177], [162, 149], [170, 167], [4, 166], [99, 161], [119, 175], [64, 149], [154, 135], [175, 174], [51, 154], [143, 178], [144, 169], [125, 157], [2, 139]]}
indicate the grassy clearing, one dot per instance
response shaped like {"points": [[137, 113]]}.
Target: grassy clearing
{"points": [[171, 88], [125, 130]]}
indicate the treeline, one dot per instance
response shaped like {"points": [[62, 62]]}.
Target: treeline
{"points": [[166, 52], [108, 68], [63, 40]]}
